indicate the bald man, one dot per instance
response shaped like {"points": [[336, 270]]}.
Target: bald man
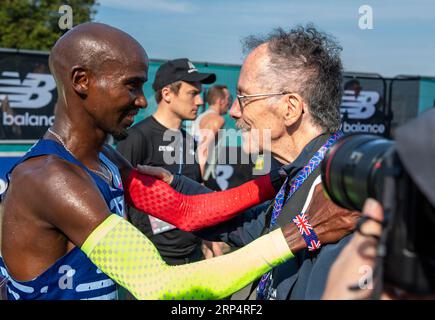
{"points": [[63, 235], [99, 92]]}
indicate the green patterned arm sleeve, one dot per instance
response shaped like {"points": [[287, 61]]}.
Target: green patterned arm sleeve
{"points": [[129, 258]]}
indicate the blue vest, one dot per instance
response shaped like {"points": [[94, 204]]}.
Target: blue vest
{"points": [[73, 276]]}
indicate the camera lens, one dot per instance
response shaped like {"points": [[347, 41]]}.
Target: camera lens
{"points": [[352, 169]]}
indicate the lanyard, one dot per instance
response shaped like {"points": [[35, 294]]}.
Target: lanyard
{"points": [[300, 178], [296, 183]]}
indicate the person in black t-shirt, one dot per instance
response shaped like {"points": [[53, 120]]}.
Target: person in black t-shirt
{"points": [[159, 141]]}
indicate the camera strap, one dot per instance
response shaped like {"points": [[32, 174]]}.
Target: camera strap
{"points": [[304, 227]]}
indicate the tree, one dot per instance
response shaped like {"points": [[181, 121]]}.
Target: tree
{"points": [[33, 24]]}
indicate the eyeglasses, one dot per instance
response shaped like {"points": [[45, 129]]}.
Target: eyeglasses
{"points": [[240, 98]]}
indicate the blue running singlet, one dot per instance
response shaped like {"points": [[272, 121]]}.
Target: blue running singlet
{"points": [[73, 276]]}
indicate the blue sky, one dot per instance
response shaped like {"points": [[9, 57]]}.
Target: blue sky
{"points": [[401, 42]]}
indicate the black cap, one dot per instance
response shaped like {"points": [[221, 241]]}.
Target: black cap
{"points": [[180, 69]]}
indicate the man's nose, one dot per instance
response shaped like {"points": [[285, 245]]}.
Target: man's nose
{"points": [[141, 101], [198, 100], [235, 111]]}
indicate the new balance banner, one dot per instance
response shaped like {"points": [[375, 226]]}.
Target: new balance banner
{"points": [[27, 96], [363, 106]]}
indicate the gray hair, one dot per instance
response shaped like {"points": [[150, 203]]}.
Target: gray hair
{"points": [[307, 62]]}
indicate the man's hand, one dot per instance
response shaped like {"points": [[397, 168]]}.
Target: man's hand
{"points": [[212, 249], [156, 172], [356, 263], [125, 167], [330, 222]]}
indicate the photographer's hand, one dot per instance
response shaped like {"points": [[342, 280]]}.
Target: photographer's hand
{"points": [[355, 264]]}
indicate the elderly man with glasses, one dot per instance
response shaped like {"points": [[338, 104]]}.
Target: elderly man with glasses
{"points": [[290, 89]]}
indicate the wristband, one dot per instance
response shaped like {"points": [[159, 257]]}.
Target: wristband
{"points": [[307, 232]]}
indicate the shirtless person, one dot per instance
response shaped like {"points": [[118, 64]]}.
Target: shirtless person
{"points": [[208, 124], [63, 236]]}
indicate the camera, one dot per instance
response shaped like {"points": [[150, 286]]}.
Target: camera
{"points": [[360, 166]]}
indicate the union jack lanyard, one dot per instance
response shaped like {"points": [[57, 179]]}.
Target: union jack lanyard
{"points": [[296, 183]]}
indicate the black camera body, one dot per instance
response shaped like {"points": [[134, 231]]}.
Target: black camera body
{"points": [[361, 166]]}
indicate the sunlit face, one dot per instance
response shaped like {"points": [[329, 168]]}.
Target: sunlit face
{"points": [[226, 101], [186, 102], [116, 94], [259, 121]]}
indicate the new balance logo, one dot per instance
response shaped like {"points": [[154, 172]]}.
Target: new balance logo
{"points": [[362, 106], [33, 92]]}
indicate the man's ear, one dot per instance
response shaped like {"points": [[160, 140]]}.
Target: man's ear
{"points": [[166, 94], [80, 80], [294, 108]]}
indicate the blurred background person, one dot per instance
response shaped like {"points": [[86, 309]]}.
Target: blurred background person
{"points": [[206, 128], [208, 124]]}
